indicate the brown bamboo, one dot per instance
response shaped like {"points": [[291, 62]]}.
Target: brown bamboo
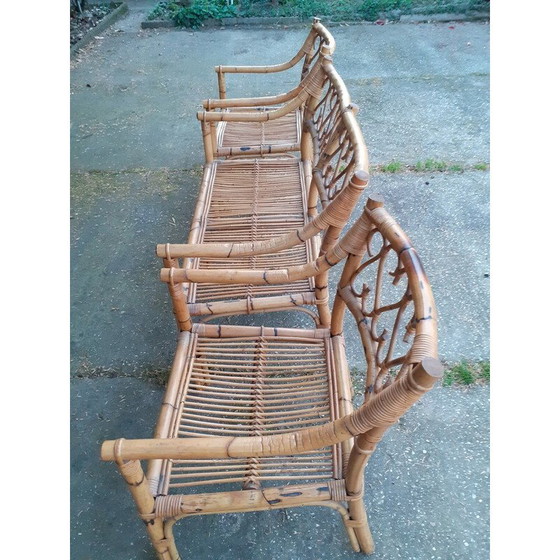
{"points": [[310, 86], [272, 276], [216, 218], [293, 432], [261, 149], [137, 483], [266, 125], [250, 305]]}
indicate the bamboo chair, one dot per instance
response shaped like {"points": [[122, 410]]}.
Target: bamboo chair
{"points": [[278, 129], [270, 206], [260, 418]]}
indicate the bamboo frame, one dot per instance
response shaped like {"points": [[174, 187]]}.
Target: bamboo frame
{"points": [[254, 405]]}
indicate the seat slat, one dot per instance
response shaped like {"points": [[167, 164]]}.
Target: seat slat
{"points": [[254, 386]]}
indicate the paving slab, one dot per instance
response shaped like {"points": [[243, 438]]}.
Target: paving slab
{"points": [[426, 493]]}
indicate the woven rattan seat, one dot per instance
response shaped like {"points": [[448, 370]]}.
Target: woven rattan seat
{"points": [[284, 131], [253, 386], [270, 197]]}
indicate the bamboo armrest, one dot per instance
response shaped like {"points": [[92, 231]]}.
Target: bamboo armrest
{"points": [[234, 250], [253, 116], [311, 85], [380, 411], [242, 276], [345, 246], [269, 69], [249, 101]]}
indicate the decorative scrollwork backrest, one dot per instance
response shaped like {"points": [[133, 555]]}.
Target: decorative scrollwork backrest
{"points": [[319, 40], [338, 145], [391, 300]]}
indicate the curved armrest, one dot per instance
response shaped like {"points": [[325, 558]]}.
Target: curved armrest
{"points": [[381, 411], [270, 69], [250, 101], [312, 84], [243, 276], [349, 244]]}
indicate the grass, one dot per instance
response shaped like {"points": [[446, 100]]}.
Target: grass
{"points": [[334, 10], [431, 165], [462, 374], [467, 373], [393, 167], [427, 165]]}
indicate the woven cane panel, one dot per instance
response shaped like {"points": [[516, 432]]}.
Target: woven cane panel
{"points": [[253, 387], [283, 130], [254, 200]]}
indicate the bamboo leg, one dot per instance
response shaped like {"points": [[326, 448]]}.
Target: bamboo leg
{"points": [[364, 446], [138, 485], [359, 522], [168, 530], [214, 138], [322, 296], [221, 83], [207, 142], [180, 308]]}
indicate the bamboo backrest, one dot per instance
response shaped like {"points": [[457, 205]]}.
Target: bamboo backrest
{"points": [[396, 377], [338, 149]]}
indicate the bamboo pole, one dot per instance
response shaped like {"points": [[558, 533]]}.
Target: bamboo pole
{"points": [[138, 485], [169, 404]]}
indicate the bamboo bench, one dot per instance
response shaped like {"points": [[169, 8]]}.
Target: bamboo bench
{"points": [[261, 417]]}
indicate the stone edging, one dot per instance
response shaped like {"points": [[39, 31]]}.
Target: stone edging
{"points": [[103, 24], [296, 22]]}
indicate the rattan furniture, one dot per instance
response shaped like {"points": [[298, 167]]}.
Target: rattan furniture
{"points": [[270, 204], [261, 417], [278, 131]]}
